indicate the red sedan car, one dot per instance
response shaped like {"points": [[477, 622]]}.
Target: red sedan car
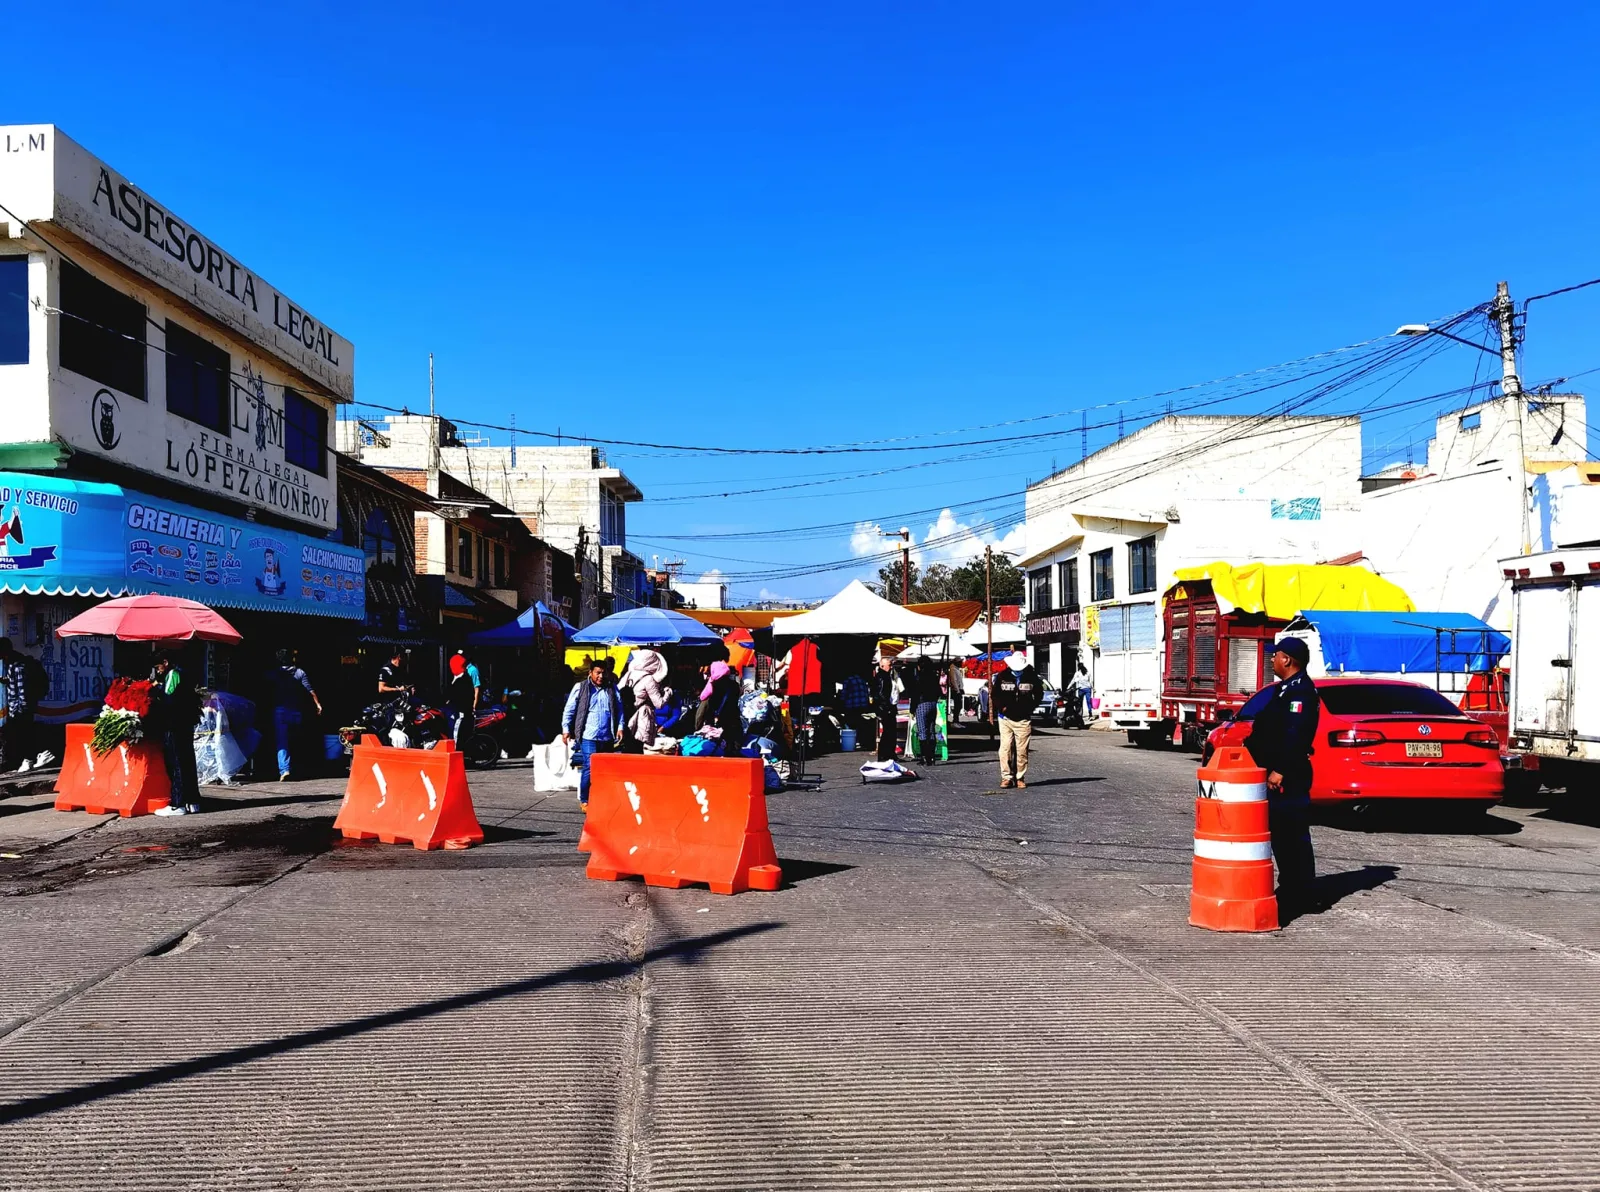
{"points": [[1387, 739]]}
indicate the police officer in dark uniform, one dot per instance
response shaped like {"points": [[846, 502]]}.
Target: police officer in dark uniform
{"points": [[1281, 742]]}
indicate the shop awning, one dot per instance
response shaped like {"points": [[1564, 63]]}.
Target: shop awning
{"points": [[61, 537]]}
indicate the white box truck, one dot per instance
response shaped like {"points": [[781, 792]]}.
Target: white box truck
{"points": [[1127, 671], [1555, 641]]}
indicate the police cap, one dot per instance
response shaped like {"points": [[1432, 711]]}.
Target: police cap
{"points": [[1294, 647]]}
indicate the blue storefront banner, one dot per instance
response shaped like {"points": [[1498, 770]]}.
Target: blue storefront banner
{"points": [[72, 537]]}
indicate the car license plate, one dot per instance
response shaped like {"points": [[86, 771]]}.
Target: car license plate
{"points": [[1424, 749]]}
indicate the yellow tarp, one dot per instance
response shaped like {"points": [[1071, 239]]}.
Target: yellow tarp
{"points": [[1281, 590], [587, 656]]}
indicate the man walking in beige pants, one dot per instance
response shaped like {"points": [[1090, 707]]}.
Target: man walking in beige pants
{"points": [[1016, 694]]}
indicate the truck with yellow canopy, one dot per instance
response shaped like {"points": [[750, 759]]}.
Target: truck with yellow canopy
{"points": [[1220, 621]]}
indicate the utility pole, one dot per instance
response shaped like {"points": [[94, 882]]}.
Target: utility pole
{"points": [[988, 605], [905, 561], [1504, 312], [670, 566]]}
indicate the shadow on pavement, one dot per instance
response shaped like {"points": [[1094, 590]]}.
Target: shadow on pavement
{"points": [[795, 870], [687, 951], [1033, 782], [1419, 819], [500, 834], [1333, 887], [212, 802]]}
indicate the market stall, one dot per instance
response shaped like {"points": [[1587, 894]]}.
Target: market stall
{"points": [[139, 781], [845, 632]]}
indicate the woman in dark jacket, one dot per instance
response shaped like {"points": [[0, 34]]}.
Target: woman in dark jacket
{"points": [[719, 707]]}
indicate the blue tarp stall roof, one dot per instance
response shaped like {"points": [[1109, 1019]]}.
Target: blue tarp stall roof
{"points": [[520, 632], [1395, 643]]}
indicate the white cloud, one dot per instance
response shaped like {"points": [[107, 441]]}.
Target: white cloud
{"points": [[955, 542], [714, 576], [867, 539]]}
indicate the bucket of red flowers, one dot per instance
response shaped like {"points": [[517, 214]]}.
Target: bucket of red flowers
{"points": [[121, 720]]}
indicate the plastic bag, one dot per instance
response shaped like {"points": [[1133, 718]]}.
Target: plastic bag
{"points": [[552, 768], [886, 772], [217, 756]]}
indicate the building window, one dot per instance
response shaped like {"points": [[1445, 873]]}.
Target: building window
{"points": [[197, 379], [613, 519], [13, 310], [500, 578], [449, 547], [483, 558], [1039, 590], [378, 540], [464, 553], [305, 433], [1100, 577], [1067, 583], [1142, 565], [1472, 421], [102, 332]]}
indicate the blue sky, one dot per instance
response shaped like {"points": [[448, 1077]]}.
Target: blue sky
{"points": [[783, 225]]}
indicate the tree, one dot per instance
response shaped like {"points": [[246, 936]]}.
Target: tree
{"points": [[939, 581], [889, 582], [966, 581]]}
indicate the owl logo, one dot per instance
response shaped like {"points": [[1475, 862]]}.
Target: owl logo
{"points": [[103, 411]]}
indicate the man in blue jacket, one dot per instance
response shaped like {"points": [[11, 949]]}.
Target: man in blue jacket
{"points": [[592, 719]]}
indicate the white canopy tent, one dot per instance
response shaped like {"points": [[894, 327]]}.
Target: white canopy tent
{"points": [[860, 611]]}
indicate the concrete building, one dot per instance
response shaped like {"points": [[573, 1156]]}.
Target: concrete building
{"points": [[166, 416], [138, 347], [1440, 528], [566, 495], [1105, 536], [701, 593], [484, 558]]}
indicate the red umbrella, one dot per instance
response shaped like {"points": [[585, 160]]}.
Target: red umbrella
{"points": [[151, 619]]}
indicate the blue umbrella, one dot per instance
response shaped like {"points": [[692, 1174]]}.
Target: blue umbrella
{"points": [[647, 627], [524, 631]]}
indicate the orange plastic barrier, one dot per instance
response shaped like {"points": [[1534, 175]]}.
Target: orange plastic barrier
{"points": [[130, 780], [418, 796], [678, 820], [1232, 887]]}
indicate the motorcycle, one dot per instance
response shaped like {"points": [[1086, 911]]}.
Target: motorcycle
{"points": [[1069, 711], [501, 728], [401, 722]]}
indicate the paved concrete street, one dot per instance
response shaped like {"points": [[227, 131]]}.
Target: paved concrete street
{"points": [[957, 987]]}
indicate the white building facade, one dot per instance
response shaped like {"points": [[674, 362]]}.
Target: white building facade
{"points": [[1105, 537], [1440, 528]]}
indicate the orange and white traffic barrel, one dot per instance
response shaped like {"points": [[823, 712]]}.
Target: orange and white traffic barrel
{"points": [[1232, 885]]}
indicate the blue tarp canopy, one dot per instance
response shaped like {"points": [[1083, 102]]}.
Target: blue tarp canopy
{"points": [[1395, 643], [647, 627], [524, 630]]}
